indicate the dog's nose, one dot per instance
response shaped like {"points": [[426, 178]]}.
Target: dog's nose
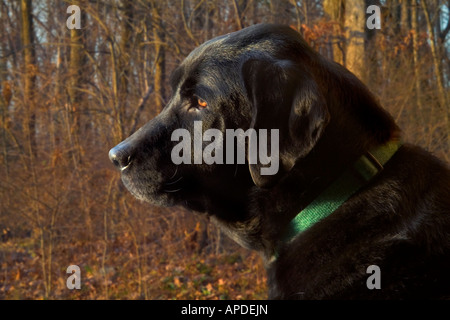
{"points": [[120, 157]]}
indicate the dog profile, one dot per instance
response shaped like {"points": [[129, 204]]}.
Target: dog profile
{"points": [[347, 194]]}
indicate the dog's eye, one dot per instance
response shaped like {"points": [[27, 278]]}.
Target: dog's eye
{"points": [[201, 104], [198, 103]]}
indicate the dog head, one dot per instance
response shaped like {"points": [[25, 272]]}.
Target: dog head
{"points": [[262, 78]]}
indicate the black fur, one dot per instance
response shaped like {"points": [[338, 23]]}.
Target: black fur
{"points": [[266, 76]]}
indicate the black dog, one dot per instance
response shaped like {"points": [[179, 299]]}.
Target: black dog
{"points": [[347, 195]]}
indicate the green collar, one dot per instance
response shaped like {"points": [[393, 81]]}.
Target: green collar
{"points": [[363, 170]]}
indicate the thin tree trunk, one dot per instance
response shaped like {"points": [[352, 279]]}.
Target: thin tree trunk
{"points": [[30, 125], [124, 61], [237, 15], [416, 66], [435, 54], [160, 58], [297, 14], [437, 62], [29, 74], [77, 65], [75, 126], [355, 24], [405, 19], [119, 125], [5, 122], [335, 11], [5, 99]]}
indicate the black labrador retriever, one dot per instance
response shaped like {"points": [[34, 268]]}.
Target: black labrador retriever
{"points": [[343, 210]]}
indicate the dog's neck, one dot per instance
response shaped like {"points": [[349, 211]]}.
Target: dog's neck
{"points": [[340, 145], [355, 176]]}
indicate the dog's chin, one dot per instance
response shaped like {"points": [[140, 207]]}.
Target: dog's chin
{"points": [[148, 192]]}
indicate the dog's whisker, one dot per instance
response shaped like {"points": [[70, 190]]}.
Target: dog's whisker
{"points": [[175, 173], [173, 182], [171, 191]]}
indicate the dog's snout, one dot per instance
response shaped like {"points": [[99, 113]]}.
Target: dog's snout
{"points": [[120, 156]]}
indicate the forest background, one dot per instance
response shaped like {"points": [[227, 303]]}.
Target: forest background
{"points": [[68, 95]]}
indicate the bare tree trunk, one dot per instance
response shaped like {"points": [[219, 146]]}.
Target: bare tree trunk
{"points": [[127, 29], [29, 74], [119, 121], [254, 12], [437, 62], [405, 12], [297, 14], [237, 15], [405, 17], [273, 9], [77, 63], [207, 22], [416, 66], [75, 126], [123, 65], [335, 10], [30, 125], [5, 100], [160, 58], [354, 25]]}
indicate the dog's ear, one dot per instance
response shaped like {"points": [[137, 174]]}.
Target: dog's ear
{"points": [[284, 96]]}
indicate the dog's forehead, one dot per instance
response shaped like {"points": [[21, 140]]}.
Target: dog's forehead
{"points": [[224, 52], [231, 47]]}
